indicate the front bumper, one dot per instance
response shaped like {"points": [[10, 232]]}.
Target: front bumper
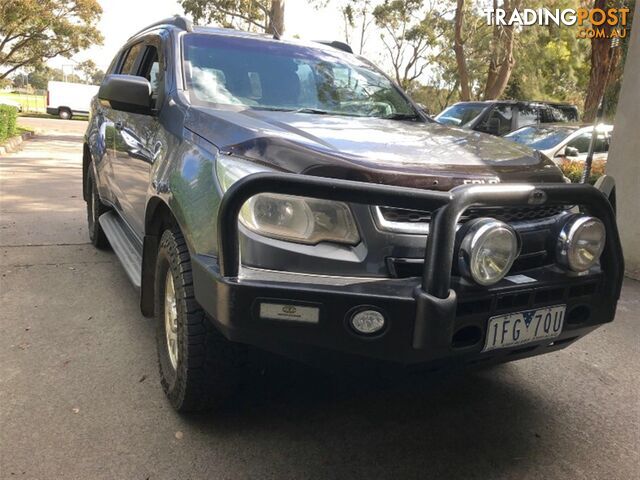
{"points": [[436, 318]]}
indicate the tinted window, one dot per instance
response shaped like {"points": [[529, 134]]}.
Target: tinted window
{"points": [[129, 63], [267, 74], [499, 120], [570, 113], [527, 115], [552, 115], [460, 114]]}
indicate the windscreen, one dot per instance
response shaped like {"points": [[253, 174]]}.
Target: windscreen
{"points": [[273, 75], [460, 114], [540, 138]]}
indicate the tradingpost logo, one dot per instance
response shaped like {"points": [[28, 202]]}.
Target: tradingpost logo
{"points": [[591, 22]]}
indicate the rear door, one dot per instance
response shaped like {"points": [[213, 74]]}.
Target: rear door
{"points": [[139, 140]]}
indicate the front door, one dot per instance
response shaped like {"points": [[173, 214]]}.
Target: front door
{"points": [[138, 143]]}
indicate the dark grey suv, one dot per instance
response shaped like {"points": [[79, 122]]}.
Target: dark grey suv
{"points": [[288, 196]]}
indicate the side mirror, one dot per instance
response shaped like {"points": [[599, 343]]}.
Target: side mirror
{"points": [[127, 93], [571, 152]]}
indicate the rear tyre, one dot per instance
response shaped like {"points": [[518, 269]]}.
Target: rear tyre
{"points": [[199, 368], [64, 113], [95, 208]]}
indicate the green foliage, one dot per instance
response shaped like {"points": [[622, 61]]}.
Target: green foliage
{"points": [[33, 31], [8, 116], [90, 72], [572, 169], [551, 62], [250, 15], [240, 14], [409, 29]]}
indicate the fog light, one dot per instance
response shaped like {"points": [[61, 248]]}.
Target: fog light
{"points": [[367, 322], [580, 243], [487, 251]]}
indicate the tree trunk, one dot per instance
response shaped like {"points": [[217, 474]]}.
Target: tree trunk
{"points": [[501, 77], [458, 48], [275, 25], [492, 74], [602, 55]]}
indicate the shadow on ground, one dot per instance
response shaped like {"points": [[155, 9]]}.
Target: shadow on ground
{"points": [[468, 424]]}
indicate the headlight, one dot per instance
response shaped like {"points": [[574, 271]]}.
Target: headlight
{"points": [[487, 251], [580, 243], [287, 217]]}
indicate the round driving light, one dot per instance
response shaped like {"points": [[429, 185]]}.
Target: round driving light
{"points": [[367, 322], [487, 251], [580, 243]]}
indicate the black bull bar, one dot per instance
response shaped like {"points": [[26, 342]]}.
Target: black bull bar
{"points": [[435, 300]]}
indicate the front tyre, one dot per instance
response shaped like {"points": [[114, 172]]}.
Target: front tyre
{"points": [[199, 367]]}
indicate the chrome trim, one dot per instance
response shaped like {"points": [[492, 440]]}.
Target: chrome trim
{"points": [[566, 241], [253, 273], [468, 248], [417, 228]]}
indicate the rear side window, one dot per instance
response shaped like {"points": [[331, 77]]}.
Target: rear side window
{"points": [[552, 115], [129, 63]]}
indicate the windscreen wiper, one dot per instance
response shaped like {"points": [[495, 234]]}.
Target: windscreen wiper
{"points": [[402, 116], [316, 111]]}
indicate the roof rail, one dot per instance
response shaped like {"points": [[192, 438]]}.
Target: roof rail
{"points": [[178, 21], [336, 44]]}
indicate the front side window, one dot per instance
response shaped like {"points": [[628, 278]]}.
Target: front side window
{"points": [[499, 120], [268, 74], [582, 141], [129, 63], [150, 69], [460, 114]]}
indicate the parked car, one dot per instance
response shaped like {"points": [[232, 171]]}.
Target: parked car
{"points": [[66, 99], [499, 117], [287, 195], [11, 103], [564, 141]]}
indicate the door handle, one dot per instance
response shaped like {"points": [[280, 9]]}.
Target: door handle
{"points": [[119, 125]]}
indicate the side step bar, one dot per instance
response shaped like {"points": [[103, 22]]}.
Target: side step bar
{"points": [[125, 247]]}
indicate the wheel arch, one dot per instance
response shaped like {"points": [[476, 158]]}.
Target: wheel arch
{"points": [[158, 217]]}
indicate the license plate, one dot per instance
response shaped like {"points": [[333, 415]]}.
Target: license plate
{"points": [[519, 328]]}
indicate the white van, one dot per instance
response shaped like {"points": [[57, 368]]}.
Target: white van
{"points": [[66, 99]]}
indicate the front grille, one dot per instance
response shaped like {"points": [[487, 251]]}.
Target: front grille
{"points": [[505, 214]]}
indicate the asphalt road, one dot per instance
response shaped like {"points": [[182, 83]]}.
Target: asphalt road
{"points": [[80, 394]]}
